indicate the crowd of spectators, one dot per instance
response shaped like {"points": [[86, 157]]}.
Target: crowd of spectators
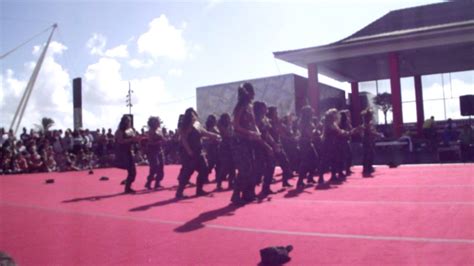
{"points": [[70, 150]]}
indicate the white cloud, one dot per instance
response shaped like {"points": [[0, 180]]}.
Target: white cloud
{"points": [[103, 82], [212, 3], [175, 72], [117, 52], [96, 44], [163, 40], [55, 48], [136, 63], [105, 93], [51, 95]]}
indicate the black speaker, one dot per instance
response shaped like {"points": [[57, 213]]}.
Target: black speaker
{"points": [[467, 105]]}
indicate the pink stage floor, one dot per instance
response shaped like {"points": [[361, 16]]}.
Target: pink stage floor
{"points": [[421, 215]]}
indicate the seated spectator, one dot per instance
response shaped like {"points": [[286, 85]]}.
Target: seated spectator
{"points": [[50, 162], [20, 164], [449, 133], [36, 163], [6, 163]]}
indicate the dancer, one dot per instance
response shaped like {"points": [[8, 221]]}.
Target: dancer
{"points": [[369, 134], [211, 145], [193, 158], [280, 154], [154, 153], [333, 137], [125, 137], [246, 136], [345, 124], [308, 154], [226, 169], [265, 151]]}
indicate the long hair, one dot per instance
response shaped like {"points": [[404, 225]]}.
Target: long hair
{"points": [[153, 122], [259, 109], [306, 115], [224, 120], [244, 93], [345, 119], [330, 117], [123, 122], [272, 112], [211, 122], [367, 115], [188, 118]]}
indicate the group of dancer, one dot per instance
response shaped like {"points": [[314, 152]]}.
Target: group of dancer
{"points": [[244, 148]]}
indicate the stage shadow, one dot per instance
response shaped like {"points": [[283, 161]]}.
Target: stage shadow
{"points": [[325, 186], [94, 198], [156, 204], [297, 191], [149, 191], [267, 197], [198, 222]]}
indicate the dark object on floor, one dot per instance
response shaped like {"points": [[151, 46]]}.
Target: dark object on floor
{"points": [[91, 172], [275, 255], [6, 260], [49, 181], [392, 165], [104, 178]]}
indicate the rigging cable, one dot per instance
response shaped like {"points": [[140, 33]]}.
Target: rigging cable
{"points": [[24, 43]]}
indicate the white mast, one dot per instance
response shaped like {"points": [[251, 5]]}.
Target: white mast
{"points": [[29, 88]]}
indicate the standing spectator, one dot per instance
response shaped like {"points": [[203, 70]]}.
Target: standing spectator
{"points": [[429, 131], [466, 140]]}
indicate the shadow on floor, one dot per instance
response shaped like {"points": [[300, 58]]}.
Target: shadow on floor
{"points": [[198, 222]]}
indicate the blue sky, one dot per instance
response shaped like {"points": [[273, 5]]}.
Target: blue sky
{"points": [[165, 48]]}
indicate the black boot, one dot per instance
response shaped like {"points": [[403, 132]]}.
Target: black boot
{"points": [[148, 184], [286, 184], [180, 190], [300, 183], [199, 190], [157, 185], [321, 180], [266, 191], [236, 199], [128, 188], [219, 186]]}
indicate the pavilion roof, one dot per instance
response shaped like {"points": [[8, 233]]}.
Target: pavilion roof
{"points": [[436, 38]]}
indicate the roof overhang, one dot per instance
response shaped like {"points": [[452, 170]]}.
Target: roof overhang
{"points": [[428, 50]]}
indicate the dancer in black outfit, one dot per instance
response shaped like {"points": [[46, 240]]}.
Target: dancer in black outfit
{"points": [[125, 137], [265, 152], [246, 137], [333, 139], [193, 157], [280, 154], [369, 134], [211, 145], [308, 154], [226, 169], [345, 124], [154, 152]]}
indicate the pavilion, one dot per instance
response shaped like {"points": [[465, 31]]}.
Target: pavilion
{"points": [[411, 42]]}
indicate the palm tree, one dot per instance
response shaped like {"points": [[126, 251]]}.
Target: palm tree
{"points": [[384, 101], [46, 124]]}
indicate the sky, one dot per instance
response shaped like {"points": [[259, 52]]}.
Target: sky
{"points": [[164, 49]]}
